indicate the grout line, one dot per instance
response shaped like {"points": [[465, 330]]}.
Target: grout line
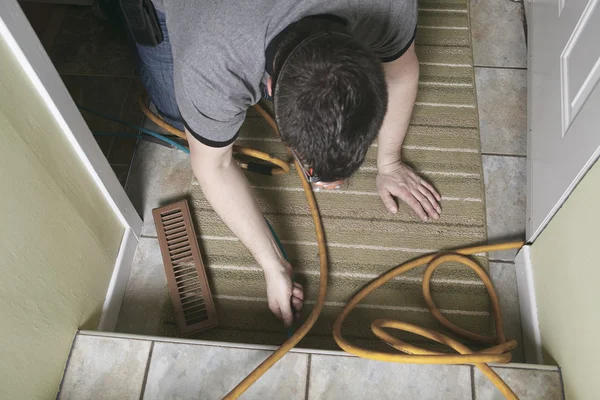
{"points": [[493, 67], [96, 75], [472, 373], [308, 367], [504, 155], [120, 115], [210, 343], [562, 383], [135, 149], [501, 261], [62, 381], [527, 367], [55, 21], [145, 380]]}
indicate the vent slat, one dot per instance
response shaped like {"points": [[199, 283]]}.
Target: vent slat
{"points": [[173, 221], [197, 304], [186, 277], [193, 288], [189, 300], [180, 256], [174, 232], [198, 314], [171, 228], [184, 272], [178, 238], [183, 261], [170, 215], [186, 281], [193, 308], [175, 246], [180, 250]]}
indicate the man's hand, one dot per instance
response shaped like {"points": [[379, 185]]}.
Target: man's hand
{"points": [[285, 297], [399, 180]]}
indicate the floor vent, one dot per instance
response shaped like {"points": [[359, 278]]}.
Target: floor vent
{"points": [[186, 277]]}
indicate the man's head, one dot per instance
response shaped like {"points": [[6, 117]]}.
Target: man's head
{"points": [[330, 96]]}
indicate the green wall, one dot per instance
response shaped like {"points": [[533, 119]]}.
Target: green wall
{"points": [[59, 241], [566, 266]]}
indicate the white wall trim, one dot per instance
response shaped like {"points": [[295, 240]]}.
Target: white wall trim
{"points": [[29, 52], [532, 341], [118, 282]]}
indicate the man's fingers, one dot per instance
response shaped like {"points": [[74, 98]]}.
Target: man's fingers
{"points": [[388, 201], [297, 291], [410, 199], [425, 204], [431, 189], [286, 314], [275, 310], [431, 198], [297, 303]]}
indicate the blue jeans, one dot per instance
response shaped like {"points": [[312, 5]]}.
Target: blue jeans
{"points": [[155, 69]]}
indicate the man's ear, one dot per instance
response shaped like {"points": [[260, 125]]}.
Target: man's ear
{"points": [[270, 86]]}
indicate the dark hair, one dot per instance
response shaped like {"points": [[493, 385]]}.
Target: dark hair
{"points": [[330, 97]]}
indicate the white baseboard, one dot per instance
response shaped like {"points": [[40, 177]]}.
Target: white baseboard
{"points": [[118, 283], [532, 341]]}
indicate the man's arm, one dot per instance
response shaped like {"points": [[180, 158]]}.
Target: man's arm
{"points": [[228, 192], [395, 179]]}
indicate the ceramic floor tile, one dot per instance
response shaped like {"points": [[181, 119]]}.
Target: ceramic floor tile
{"points": [[122, 171], [146, 293], [160, 175], [505, 190], [527, 384], [502, 101], [87, 44], [182, 372], [45, 19], [123, 148], [103, 368], [131, 109], [105, 94], [347, 378], [498, 33], [504, 279]]}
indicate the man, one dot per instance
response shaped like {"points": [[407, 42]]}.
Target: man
{"points": [[342, 73]]}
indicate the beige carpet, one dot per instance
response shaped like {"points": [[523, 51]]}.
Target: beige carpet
{"points": [[363, 239]]}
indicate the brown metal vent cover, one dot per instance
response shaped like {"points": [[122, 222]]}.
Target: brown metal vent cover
{"points": [[186, 277]]}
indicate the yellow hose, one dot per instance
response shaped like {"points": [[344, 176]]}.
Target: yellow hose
{"points": [[282, 166], [498, 352]]}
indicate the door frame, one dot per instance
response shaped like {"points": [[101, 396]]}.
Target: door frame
{"points": [[531, 232], [36, 64]]}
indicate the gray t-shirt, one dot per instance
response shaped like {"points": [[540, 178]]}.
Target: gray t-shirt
{"points": [[219, 50]]}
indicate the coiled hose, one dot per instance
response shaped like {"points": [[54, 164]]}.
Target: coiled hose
{"points": [[498, 352]]}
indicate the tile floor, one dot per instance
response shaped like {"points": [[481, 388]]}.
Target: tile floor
{"points": [[98, 70], [96, 65], [107, 368]]}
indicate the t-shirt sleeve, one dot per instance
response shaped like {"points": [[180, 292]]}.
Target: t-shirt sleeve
{"points": [[388, 27], [212, 117]]}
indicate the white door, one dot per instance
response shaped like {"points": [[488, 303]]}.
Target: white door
{"points": [[564, 102]]}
